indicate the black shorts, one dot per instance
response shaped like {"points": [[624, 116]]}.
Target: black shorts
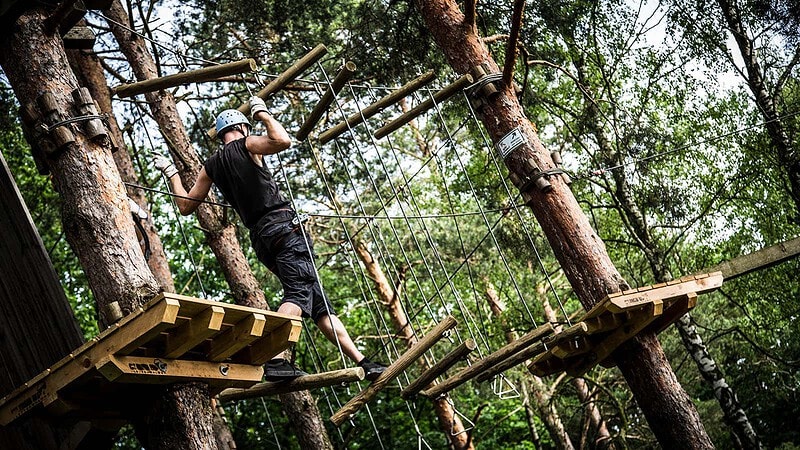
{"points": [[282, 248]]}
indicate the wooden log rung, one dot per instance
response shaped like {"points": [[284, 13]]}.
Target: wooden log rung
{"points": [[302, 383], [438, 98], [444, 364], [190, 76], [489, 361], [530, 352], [345, 74], [379, 105], [395, 369], [282, 80]]}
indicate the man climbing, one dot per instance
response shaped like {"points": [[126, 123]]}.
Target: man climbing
{"points": [[239, 172]]}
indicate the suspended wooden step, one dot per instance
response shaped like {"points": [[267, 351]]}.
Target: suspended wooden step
{"points": [[172, 338], [302, 383], [619, 317], [395, 369]]}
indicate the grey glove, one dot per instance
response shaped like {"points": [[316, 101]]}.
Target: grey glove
{"points": [[165, 166], [137, 210], [257, 105]]}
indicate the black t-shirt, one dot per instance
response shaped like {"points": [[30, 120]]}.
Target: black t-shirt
{"points": [[250, 189]]}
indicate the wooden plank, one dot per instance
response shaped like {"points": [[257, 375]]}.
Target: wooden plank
{"points": [[676, 309], [271, 344], [456, 355], [79, 37], [140, 369], [236, 337], [637, 321], [571, 348], [603, 322], [147, 326], [196, 330], [671, 291], [475, 369], [395, 369], [303, 383]]}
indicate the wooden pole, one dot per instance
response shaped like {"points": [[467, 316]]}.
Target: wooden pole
{"points": [[484, 364], [378, 106], [511, 45], [439, 368], [439, 97], [190, 76], [344, 75], [761, 259], [401, 364], [282, 80], [530, 352], [312, 381]]}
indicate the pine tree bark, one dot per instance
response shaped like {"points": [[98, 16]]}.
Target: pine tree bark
{"points": [[220, 235], [450, 423], [96, 216], [87, 69], [581, 253], [89, 72]]}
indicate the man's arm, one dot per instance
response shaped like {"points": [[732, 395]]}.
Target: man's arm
{"points": [[197, 193], [276, 139]]}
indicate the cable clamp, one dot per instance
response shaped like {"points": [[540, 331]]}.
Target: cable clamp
{"points": [[50, 128]]}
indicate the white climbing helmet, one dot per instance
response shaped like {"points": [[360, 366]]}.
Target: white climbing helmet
{"points": [[230, 118]]}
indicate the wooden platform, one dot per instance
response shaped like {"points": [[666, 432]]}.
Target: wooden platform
{"points": [[172, 338], [619, 317]]}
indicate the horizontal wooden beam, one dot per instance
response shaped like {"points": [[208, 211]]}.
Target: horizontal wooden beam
{"points": [[484, 364], [190, 76], [303, 383], [149, 370], [282, 80], [344, 75], [760, 259], [379, 105], [439, 368], [439, 97], [395, 369]]}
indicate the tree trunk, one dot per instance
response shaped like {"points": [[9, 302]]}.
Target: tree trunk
{"points": [[547, 410], [221, 236], [89, 72], [449, 422], [86, 66], [581, 253], [788, 157], [96, 218]]}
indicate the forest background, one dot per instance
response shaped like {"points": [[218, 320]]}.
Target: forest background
{"points": [[654, 111]]}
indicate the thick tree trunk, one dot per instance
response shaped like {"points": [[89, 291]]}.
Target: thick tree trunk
{"points": [[86, 66], [89, 72], [581, 253], [96, 216], [221, 236], [787, 155], [449, 422]]}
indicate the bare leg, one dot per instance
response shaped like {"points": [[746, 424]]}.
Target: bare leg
{"points": [[290, 308], [333, 329]]}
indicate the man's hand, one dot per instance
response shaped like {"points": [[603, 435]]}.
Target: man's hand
{"points": [[165, 166], [137, 210], [257, 105]]}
